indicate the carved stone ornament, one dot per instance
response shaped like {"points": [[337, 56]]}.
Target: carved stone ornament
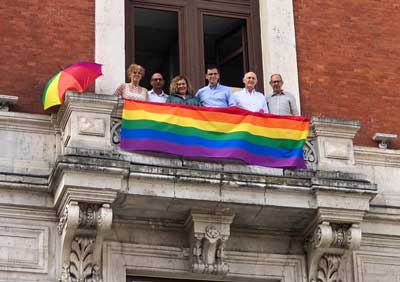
{"points": [[81, 256], [208, 252], [208, 234], [116, 131], [87, 216], [63, 220], [310, 156], [326, 247], [328, 268]]}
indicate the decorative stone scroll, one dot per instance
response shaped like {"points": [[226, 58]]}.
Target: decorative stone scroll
{"points": [[116, 131], [326, 247], [81, 251], [310, 156], [209, 234]]}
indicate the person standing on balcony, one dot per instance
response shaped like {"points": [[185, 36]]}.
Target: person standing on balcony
{"points": [[215, 94], [181, 92], [132, 90], [248, 98], [281, 102], [157, 94]]}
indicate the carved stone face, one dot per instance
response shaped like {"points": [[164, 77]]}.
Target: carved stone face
{"points": [[212, 232]]}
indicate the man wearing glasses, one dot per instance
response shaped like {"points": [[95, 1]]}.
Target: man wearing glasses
{"points": [[215, 94], [157, 94], [281, 102]]}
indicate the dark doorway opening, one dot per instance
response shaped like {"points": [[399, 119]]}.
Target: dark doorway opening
{"points": [[225, 44], [157, 43]]}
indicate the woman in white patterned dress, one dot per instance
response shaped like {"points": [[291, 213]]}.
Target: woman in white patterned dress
{"points": [[132, 90]]}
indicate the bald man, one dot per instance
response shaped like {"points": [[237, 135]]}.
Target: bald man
{"points": [[157, 94], [248, 98]]}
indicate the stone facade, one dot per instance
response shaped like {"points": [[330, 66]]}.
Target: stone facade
{"points": [[77, 208], [74, 207]]}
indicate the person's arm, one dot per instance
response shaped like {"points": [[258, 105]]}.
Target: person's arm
{"points": [[198, 103], [198, 93], [231, 98], [118, 92], [293, 106], [265, 107]]}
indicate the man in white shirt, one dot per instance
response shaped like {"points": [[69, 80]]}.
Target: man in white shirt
{"points": [[157, 94], [248, 98], [281, 102]]}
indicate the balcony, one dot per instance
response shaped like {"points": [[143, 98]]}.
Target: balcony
{"points": [[72, 164]]}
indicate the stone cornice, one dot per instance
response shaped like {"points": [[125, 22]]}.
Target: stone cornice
{"points": [[101, 177], [6, 101], [332, 127], [26, 123], [376, 157], [28, 213], [23, 182]]}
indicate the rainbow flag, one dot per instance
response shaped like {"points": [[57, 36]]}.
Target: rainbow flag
{"points": [[224, 133]]}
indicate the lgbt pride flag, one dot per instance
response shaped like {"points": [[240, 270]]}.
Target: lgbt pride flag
{"points": [[225, 133]]}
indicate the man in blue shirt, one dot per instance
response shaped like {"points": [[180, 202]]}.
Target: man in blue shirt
{"points": [[215, 94]]}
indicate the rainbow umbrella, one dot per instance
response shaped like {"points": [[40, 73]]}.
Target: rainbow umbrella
{"points": [[76, 77]]}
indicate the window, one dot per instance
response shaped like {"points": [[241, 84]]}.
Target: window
{"points": [[225, 45], [183, 36]]}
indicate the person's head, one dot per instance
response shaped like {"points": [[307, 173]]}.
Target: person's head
{"points": [[250, 81], [276, 83], [157, 82], [135, 73], [212, 74], [180, 85]]}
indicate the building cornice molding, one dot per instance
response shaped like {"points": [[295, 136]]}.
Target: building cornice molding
{"points": [[376, 156], [332, 127], [26, 123], [28, 213]]}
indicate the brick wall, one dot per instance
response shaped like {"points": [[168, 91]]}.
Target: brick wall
{"points": [[349, 62], [38, 38]]}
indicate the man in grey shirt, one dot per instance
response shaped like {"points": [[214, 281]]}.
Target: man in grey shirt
{"points": [[280, 102]]}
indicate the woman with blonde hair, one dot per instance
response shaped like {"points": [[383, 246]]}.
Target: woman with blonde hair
{"points": [[181, 92], [132, 90]]}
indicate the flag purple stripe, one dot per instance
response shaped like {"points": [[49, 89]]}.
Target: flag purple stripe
{"points": [[200, 151]]}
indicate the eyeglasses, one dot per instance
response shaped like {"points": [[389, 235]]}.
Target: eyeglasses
{"points": [[276, 81], [157, 79]]}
